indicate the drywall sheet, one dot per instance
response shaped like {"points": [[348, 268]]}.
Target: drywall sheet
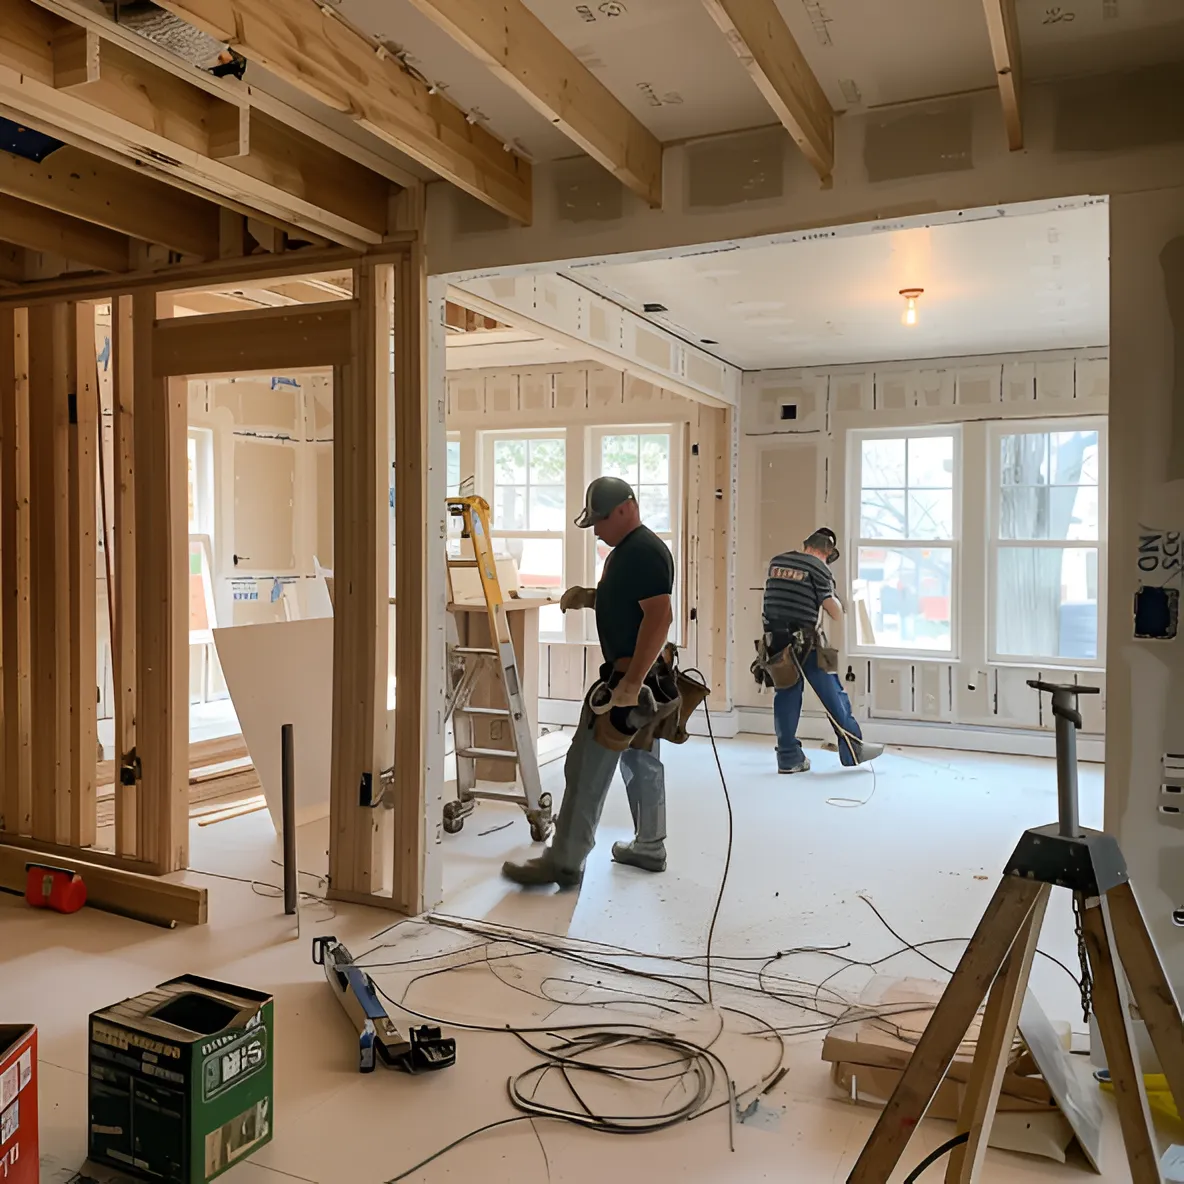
{"points": [[261, 403], [279, 674], [264, 501], [788, 500], [324, 496]]}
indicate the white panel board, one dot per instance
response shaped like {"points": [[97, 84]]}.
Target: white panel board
{"points": [[1017, 705], [1093, 378], [852, 392], [978, 386], [1055, 381], [931, 690], [1019, 382], [891, 688]]}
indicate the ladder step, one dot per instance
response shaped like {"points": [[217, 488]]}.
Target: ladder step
{"points": [[488, 754], [463, 563], [484, 712], [471, 651]]}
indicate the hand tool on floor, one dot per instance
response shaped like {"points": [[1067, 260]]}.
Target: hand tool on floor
{"points": [[379, 1038], [1112, 937], [465, 665]]}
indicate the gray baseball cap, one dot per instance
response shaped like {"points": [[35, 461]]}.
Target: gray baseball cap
{"points": [[604, 495]]}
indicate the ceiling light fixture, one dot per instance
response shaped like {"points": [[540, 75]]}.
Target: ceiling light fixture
{"points": [[911, 296]]}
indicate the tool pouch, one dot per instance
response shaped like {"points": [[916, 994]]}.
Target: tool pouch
{"points": [[828, 656]]}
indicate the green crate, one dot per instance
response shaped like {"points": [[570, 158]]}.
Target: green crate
{"points": [[181, 1080]]}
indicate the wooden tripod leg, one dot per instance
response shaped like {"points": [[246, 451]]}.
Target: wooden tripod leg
{"points": [[1115, 1026], [1150, 986], [991, 1054], [992, 940]]}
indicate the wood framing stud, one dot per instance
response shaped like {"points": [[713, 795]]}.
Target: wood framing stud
{"points": [[314, 49], [532, 61], [75, 56], [757, 31], [1003, 29], [16, 792]]}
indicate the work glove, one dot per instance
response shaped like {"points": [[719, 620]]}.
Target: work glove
{"points": [[578, 598], [625, 694]]}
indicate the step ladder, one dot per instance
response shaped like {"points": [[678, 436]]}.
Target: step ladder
{"points": [[466, 664]]}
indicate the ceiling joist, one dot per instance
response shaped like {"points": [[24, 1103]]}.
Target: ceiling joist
{"points": [[531, 60], [757, 32], [199, 135], [39, 229], [317, 52], [1005, 49], [72, 182]]}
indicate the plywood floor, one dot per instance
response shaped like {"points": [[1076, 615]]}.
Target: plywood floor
{"points": [[926, 848]]}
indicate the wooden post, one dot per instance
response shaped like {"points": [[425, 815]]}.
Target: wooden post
{"points": [[16, 796], [50, 346], [123, 642], [83, 487], [361, 514], [162, 674], [411, 542]]}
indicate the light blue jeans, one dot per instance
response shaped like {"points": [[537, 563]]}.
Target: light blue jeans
{"points": [[588, 773]]}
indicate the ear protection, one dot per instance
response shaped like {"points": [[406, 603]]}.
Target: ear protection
{"points": [[833, 556]]}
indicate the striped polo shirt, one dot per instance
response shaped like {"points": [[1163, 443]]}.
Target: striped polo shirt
{"points": [[796, 586]]}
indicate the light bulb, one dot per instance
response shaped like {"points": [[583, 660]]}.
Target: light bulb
{"points": [[909, 317]]}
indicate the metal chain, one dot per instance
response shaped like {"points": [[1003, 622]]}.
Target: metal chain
{"points": [[1087, 982]]}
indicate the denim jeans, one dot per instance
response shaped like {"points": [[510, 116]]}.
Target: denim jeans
{"points": [[588, 773], [787, 710]]}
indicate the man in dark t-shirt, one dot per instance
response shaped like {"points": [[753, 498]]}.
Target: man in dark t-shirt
{"points": [[799, 588], [633, 617]]}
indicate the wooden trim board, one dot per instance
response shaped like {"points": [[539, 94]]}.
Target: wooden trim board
{"points": [[113, 889]]}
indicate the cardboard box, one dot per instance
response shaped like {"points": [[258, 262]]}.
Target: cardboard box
{"points": [[181, 1080], [20, 1161]]}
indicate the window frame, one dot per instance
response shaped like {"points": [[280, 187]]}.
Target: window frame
{"points": [[856, 541], [673, 537], [485, 483], [1055, 426]]}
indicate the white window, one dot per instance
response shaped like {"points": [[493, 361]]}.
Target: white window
{"points": [[905, 532], [646, 457], [452, 469], [526, 479], [1047, 544]]}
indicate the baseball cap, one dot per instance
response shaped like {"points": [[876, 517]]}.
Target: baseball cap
{"points": [[604, 495]]}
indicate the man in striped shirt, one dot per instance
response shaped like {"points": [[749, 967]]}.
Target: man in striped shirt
{"points": [[798, 589]]}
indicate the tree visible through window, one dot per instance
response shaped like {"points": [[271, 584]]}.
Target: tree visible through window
{"points": [[904, 569], [1047, 545]]}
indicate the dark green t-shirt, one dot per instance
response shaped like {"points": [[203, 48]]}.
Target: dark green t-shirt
{"points": [[638, 567]]}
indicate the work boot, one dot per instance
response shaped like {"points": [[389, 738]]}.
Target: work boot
{"points": [[650, 857], [804, 767], [535, 873], [865, 753]]}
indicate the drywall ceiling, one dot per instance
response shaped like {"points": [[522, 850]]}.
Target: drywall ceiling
{"points": [[1005, 283], [669, 64]]}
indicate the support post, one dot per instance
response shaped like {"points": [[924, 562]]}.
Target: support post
{"points": [[16, 796], [288, 817], [123, 642], [83, 486], [50, 347], [162, 715], [361, 546], [411, 546]]}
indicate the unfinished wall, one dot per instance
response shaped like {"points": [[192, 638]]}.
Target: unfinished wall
{"points": [[795, 427], [576, 399], [1146, 673]]}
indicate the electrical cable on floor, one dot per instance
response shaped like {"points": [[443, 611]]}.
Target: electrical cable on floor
{"points": [[932, 1158], [274, 891]]}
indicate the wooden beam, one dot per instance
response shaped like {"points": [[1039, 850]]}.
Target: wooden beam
{"points": [[82, 520], [123, 643], [411, 538], [316, 51], [1003, 29], [524, 54], [291, 337], [74, 56], [162, 638], [42, 229], [361, 475], [125, 892], [16, 793], [757, 31], [50, 347], [197, 130], [12, 264]]}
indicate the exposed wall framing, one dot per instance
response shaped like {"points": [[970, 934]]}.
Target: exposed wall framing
{"points": [[48, 443]]}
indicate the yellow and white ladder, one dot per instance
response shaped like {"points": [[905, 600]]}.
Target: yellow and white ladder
{"points": [[466, 663]]}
